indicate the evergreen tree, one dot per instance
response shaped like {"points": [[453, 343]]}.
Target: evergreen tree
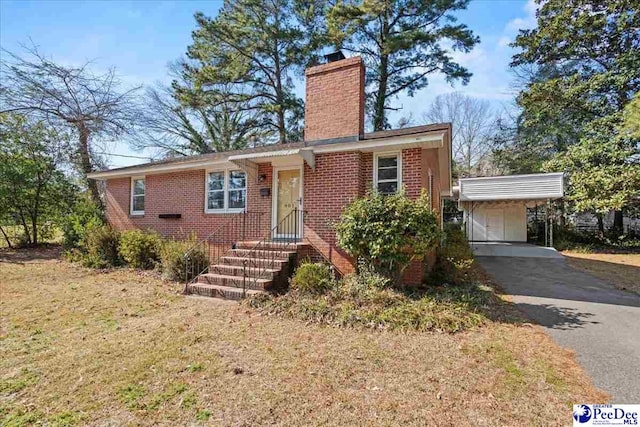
{"points": [[595, 47], [254, 48], [402, 43]]}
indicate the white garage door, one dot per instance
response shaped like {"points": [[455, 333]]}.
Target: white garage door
{"points": [[494, 225]]}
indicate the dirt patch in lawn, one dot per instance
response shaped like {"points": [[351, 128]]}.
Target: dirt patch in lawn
{"points": [[620, 269], [120, 347]]}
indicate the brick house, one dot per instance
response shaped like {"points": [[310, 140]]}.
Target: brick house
{"points": [[268, 204]]}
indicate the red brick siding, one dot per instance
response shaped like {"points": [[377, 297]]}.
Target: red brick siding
{"points": [[334, 105], [184, 193], [338, 179], [335, 183]]}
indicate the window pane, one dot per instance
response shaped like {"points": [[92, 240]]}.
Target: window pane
{"points": [[386, 162], [215, 200], [391, 173], [236, 199], [237, 179], [138, 186], [387, 187], [216, 181], [138, 203]]}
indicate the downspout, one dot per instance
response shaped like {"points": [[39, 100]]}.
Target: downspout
{"points": [[430, 189]]}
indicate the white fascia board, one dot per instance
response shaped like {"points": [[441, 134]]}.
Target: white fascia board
{"points": [[305, 154], [507, 177], [264, 154], [427, 140], [158, 169]]}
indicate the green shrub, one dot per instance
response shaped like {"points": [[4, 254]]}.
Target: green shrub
{"points": [[370, 302], [85, 215], [140, 249], [100, 247], [454, 259], [363, 283], [178, 267], [389, 231], [312, 278]]}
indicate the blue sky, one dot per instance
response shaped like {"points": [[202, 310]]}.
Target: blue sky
{"points": [[140, 38]]}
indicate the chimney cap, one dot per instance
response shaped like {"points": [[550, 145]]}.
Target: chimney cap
{"points": [[334, 56]]}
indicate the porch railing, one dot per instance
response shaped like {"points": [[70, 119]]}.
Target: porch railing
{"points": [[237, 227], [281, 239]]}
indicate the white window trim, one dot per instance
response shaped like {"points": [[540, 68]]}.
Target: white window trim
{"points": [[133, 180], [375, 168], [226, 209]]}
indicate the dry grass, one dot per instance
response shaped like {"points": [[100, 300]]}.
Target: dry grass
{"points": [[120, 347], [620, 269]]}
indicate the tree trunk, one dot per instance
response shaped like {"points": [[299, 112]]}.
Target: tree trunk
{"points": [[282, 126], [600, 224], [618, 224], [6, 238], [86, 166], [27, 233], [379, 111], [34, 230]]}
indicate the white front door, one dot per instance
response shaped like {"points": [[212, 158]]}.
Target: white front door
{"points": [[287, 197], [494, 225]]}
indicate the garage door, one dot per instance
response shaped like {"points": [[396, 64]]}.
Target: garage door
{"points": [[494, 225]]}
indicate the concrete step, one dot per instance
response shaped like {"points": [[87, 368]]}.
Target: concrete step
{"points": [[276, 264], [262, 253], [238, 270], [217, 291], [234, 281], [268, 245]]}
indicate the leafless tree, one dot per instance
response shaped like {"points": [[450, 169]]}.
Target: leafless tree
{"points": [[72, 97], [472, 121], [171, 128]]}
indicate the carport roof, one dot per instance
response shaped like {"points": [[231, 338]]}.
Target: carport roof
{"points": [[539, 186]]}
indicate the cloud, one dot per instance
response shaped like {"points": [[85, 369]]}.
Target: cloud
{"points": [[525, 22], [504, 41]]}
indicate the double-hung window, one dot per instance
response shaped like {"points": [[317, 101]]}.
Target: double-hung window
{"points": [[226, 191], [387, 173], [137, 195]]}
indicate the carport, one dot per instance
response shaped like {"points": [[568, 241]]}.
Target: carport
{"points": [[495, 208]]}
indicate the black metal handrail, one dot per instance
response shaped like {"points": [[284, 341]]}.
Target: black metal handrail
{"points": [[220, 242], [286, 233]]}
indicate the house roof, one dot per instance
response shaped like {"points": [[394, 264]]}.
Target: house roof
{"points": [[368, 141]]}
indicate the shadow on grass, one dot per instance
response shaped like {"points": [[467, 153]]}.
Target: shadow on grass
{"points": [[31, 254]]}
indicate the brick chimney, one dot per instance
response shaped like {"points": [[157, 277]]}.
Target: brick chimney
{"points": [[334, 107]]}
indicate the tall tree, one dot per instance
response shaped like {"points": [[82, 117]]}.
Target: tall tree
{"points": [[254, 48], [177, 129], [33, 189], [72, 97], [472, 123], [402, 43], [632, 117], [522, 143], [596, 45]]}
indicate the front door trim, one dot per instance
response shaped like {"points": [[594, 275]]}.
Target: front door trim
{"points": [[274, 199]]}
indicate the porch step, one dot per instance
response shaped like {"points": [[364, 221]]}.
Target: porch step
{"points": [[265, 253], [271, 245], [234, 281], [238, 270], [255, 262], [216, 291], [265, 269]]}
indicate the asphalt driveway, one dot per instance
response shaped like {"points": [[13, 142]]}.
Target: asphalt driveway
{"points": [[581, 312]]}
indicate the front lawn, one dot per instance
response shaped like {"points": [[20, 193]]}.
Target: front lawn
{"points": [[622, 270], [122, 347]]}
